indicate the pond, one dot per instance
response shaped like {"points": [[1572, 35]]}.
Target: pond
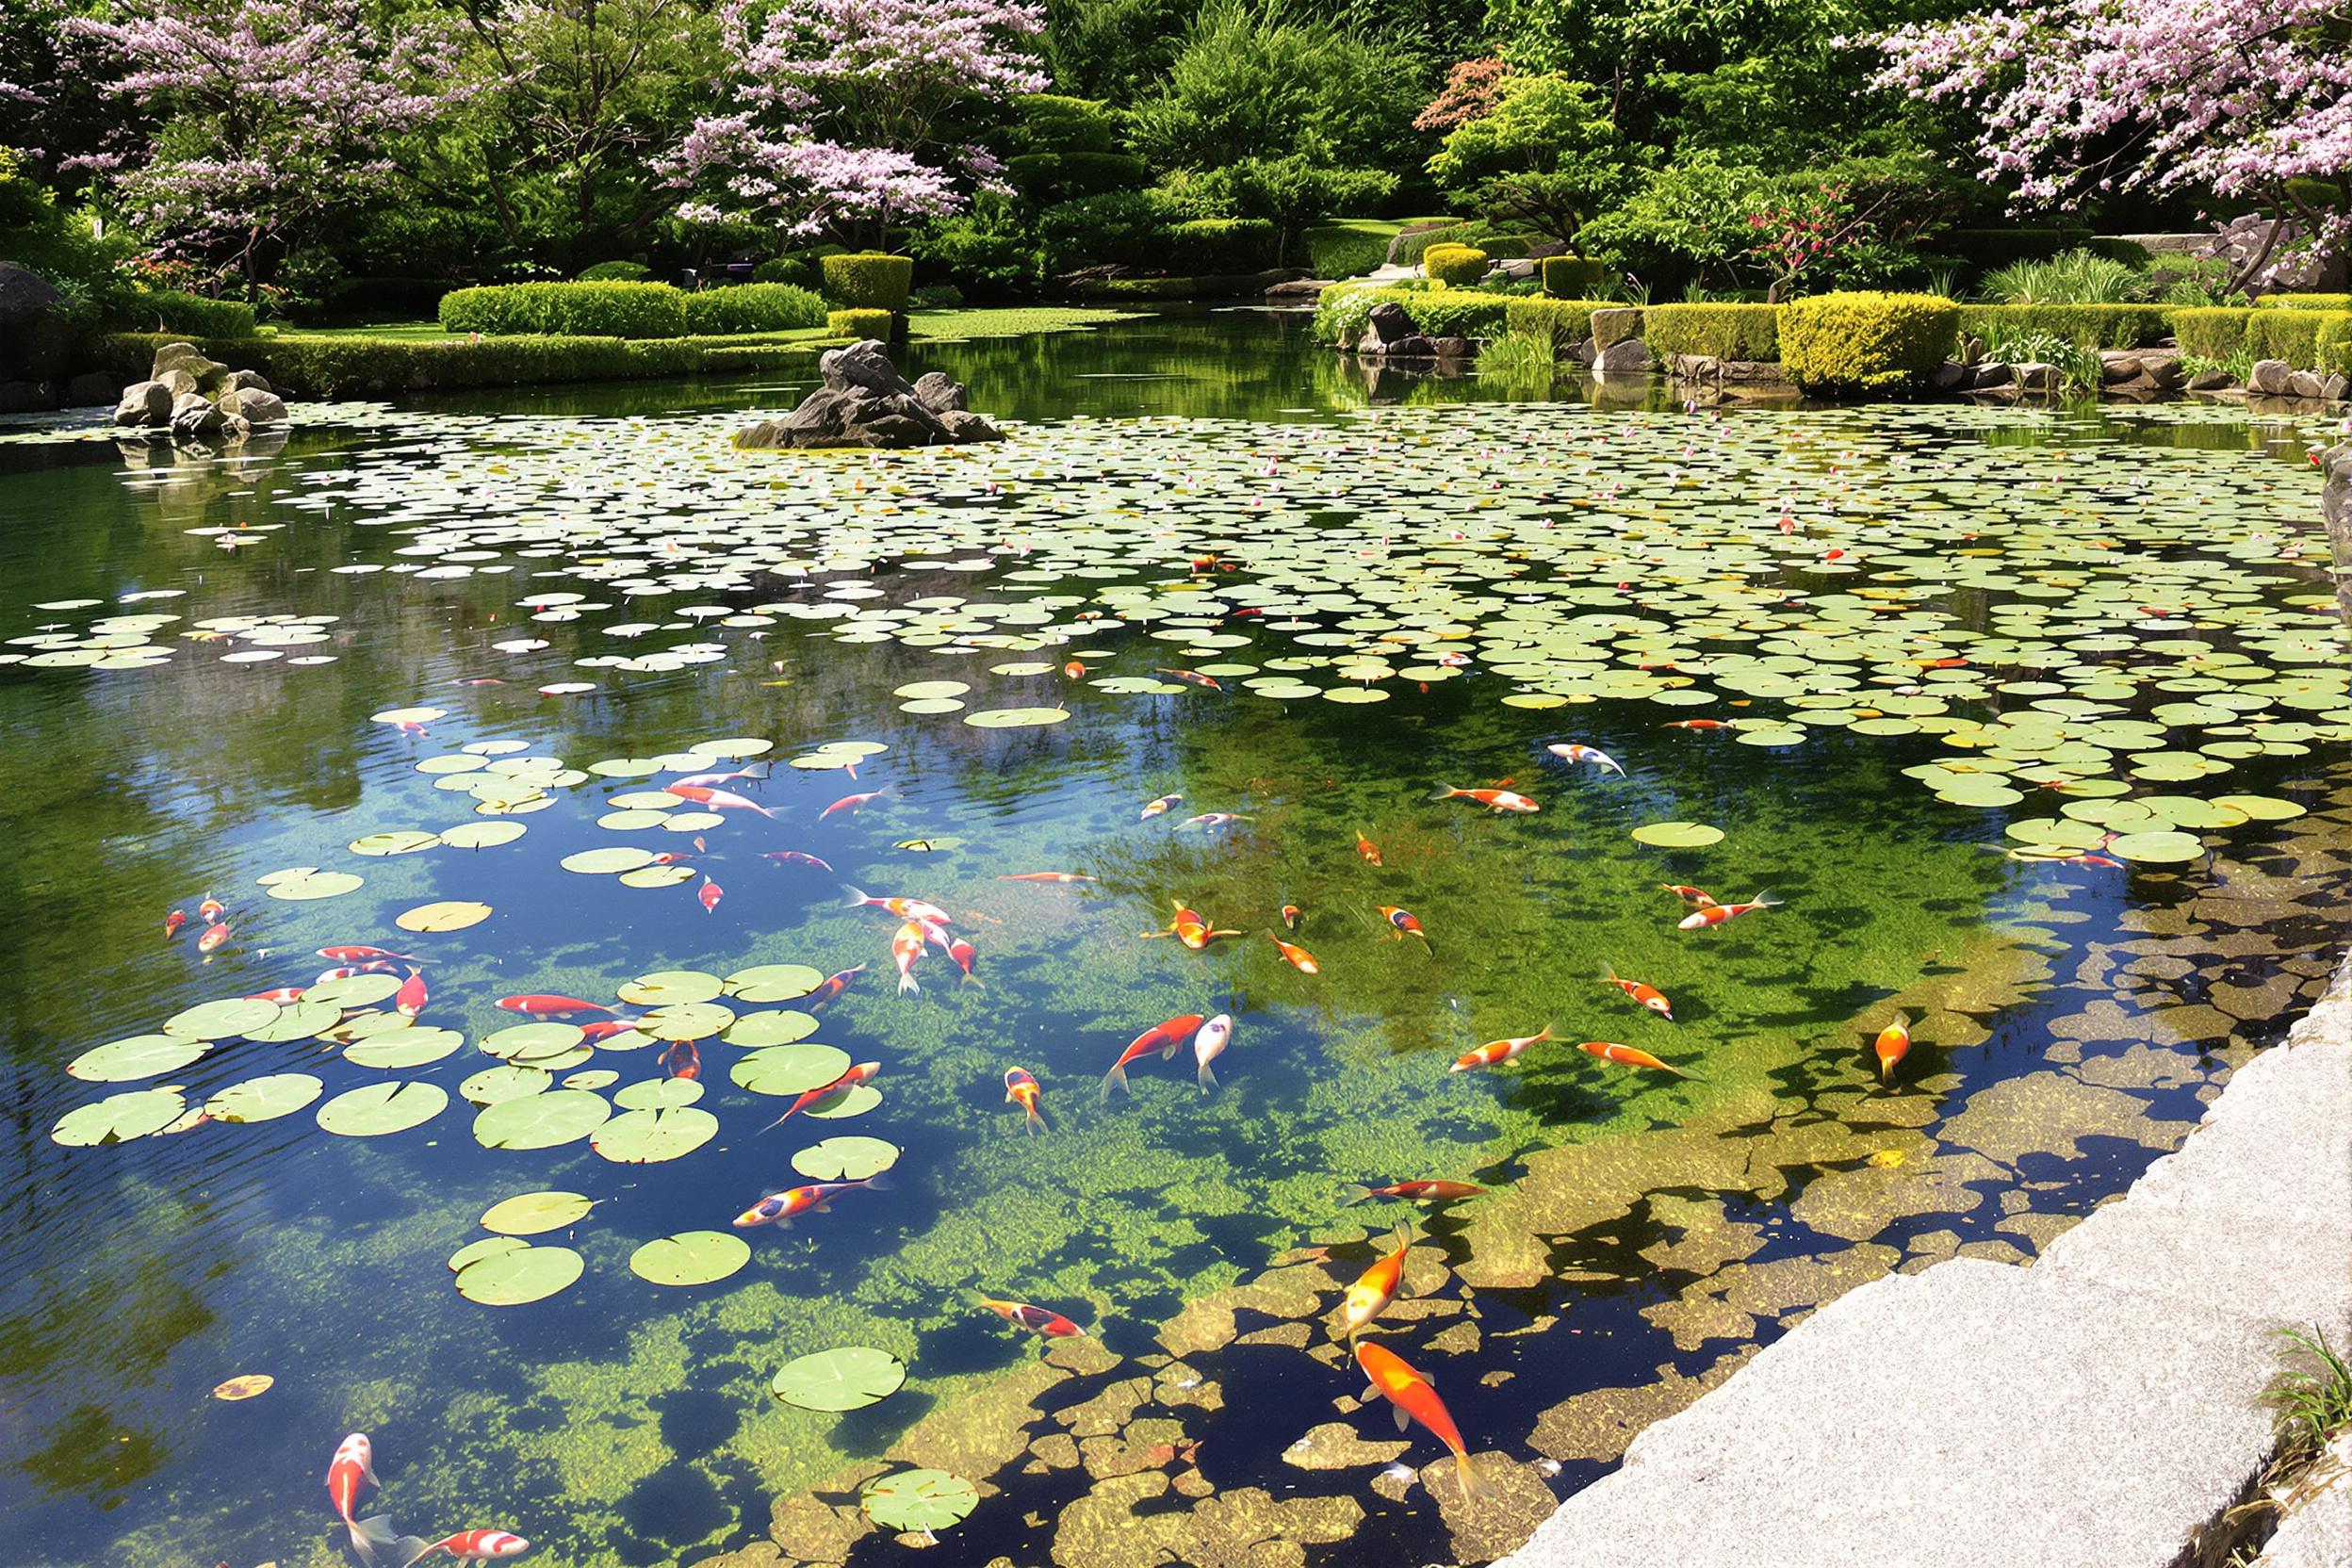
{"points": [[2031, 725]]}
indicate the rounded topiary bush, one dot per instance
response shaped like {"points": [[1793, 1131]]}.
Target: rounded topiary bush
{"points": [[1847, 343], [792, 270], [868, 280], [1455, 266], [616, 271], [1573, 277], [858, 323]]}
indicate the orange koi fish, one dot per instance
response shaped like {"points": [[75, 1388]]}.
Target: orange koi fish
{"points": [[282, 995], [1696, 724], [172, 922], [211, 910], [1021, 1089], [1208, 1045], [1571, 752], [409, 999], [856, 1075], [1715, 914], [906, 947], [1192, 678], [1625, 1055], [682, 1060], [1893, 1045], [1366, 847], [709, 895], [780, 1209], [853, 804], [352, 1468], [1697, 897], [1166, 1038], [1494, 800], [1290, 916], [833, 985], [1495, 1052], [210, 939], [905, 909], [1375, 1288], [358, 953], [1649, 996], [1045, 876], [716, 800], [541, 1005], [1404, 923], [964, 953], [1074, 670], [1051, 1324], [1414, 1400], [1190, 929], [1413, 1192], [796, 858], [1152, 809], [475, 1546], [1301, 959]]}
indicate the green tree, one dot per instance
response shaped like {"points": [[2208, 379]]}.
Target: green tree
{"points": [[1549, 156]]}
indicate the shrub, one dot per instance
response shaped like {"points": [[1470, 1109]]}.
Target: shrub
{"points": [[2217, 332], [753, 307], [1565, 322], [1512, 247], [936, 295], [616, 271], [1573, 277], [1046, 178], [1339, 252], [2304, 302], [1407, 248], [1865, 342], [192, 315], [1341, 311], [2085, 326], [991, 250], [791, 270], [2293, 336], [1989, 248], [1050, 122], [1717, 332], [2078, 277], [2333, 355], [1220, 247], [1118, 228], [868, 280], [1454, 265], [567, 310], [859, 322], [346, 367]]}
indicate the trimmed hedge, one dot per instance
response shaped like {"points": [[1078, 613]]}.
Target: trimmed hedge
{"points": [[188, 314], [859, 323], [2211, 332], [753, 307], [1456, 265], [1567, 322], [2293, 336], [1409, 246], [635, 310], [615, 271], [1220, 247], [791, 270], [1341, 311], [1335, 251], [355, 366], [1573, 277], [868, 280], [2304, 302], [2085, 326], [1717, 332], [1508, 247], [1866, 341]]}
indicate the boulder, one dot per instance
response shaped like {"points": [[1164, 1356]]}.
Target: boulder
{"points": [[195, 418], [2268, 379], [35, 339], [1615, 325], [1630, 356], [1414, 346], [1387, 324], [2211, 381], [2334, 388], [2119, 365], [866, 402], [2304, 383], [145, 402], [1951, 376], [1515, 268], [246, 381], [91, 389], [255, 406], [1992, 373], [203, 374], [1453, 348], [1299, 288]]}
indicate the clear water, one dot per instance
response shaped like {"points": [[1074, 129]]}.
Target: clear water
{"points": [[1619, 568]]}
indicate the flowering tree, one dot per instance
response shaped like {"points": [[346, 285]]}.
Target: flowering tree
{"points": [[272, 114], [2238, 97], [841, 111]]}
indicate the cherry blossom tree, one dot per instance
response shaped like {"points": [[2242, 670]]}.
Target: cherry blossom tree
{"points": [[2077, 97], [272, 115], [843, 115]]}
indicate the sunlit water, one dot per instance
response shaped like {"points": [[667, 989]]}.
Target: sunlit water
{"points": [[1932, 632]]}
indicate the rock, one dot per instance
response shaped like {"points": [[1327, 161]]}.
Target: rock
{"points": [[1388, 324], [35, 340], [240, 381], [2211, 381], [2334, 388], [1992, 373], [2304, 383], [1414, 346], [1516, 269], [194, 419], [1297, 288], [2035, 376], [91, 389], [145, 402], [2117, 366], [1453, 348], [1951, 376], [1630, 356], [2268, 379], [2160, 367], [1615, 325], [255, 406], [866, 402]]}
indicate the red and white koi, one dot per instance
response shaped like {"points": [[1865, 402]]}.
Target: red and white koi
{"points": [[282, 995], [1571, 752], [1209, 821], [1625, 1055], [1166, 1038], [905, 909], [210, 939], [1021, 1313], [906, 947], [172, 922], [353, 1468], [409, 999], [211, 910], [356, 954], [716, 800], [476, 1546], [1192, 678], [1021, 1089], [1415, 1192], [1366, 847], [1696, 897], [541, 1005], [1494, 800], [1495, 1052], [682, 1060], [780, 1209], [1716, 914], [853, 804], [833, 987], [1045, 876], [862, 1072], [709, 896], [1648, 995], [1208, 1045]]}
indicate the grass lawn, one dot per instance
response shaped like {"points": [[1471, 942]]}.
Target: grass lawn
{"points": [[1350, 247]]}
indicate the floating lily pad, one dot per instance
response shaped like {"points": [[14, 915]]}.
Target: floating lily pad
{"points": [[407, 840], [231, 1018], [920, 1500], [691, 1021], [297, 1019], [378, 1109], [848, 1379], [2261, 807], [305, 883], [119, 1118], [520, 1276], [540, 1120], [493, 1085], [448, 915], [690, 1257], [609, 862], [264, 1099], [646, 1137], [845, 1159], [790, 1069], [535, 1213], [772, 983], [856, 1100], [531, 1042], [671, 986], [482, 835], [599, 1078], [249, 1386], [2157, 848], [656, 876], [756, 1030], [127, 1061], [399, 1049], [354, 990], [1015, 718], [1678, 835], [488, 1246], [651, 1094]]}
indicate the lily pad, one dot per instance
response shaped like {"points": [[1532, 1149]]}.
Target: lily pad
{"points": [[231, 1018], [493, 1085], [652, 1094], [303, 884], [406, 840], [520, 1276], [399, 1049], [609, 862], [671, 986], [920, 1500], [297, 1019], [488, 1246], [690, 1257], [535, 1213], [848, 1379], [354, 990], [528, 1042], [647, 1137], [772, 983], [264, 1099], [2157, 848], [378, 1109], [845, 1159], [482, 835], [448, 915], [753, 1031], [119, 1118], [691, 1021], [127, 1061], [656, 876], [856, 1100], [540, 1120], [791, 1070], [1678, 835], [1015, 718]]}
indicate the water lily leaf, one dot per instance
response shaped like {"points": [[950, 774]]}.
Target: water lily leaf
{"points": [[856, 1100], [248, 1385], [406, 840], [599, 1078], [790, 1069], [520, 1276], [772, 983], [306, 884], [671, 986], [299, 1020], [488, 1246], [657, 876], [495, 1084], [119, 1118], [691, 1021], [646, 1137], [482, 835], [1678, 835], [1015, 718], [2157, 848], [409, 715], [378, 1109], [920, 1500], [755, 1029], [2260, 808], [399, 1049], [448, 915], [651, 1094], [533, 1213], [851, 1377], [532, 1042], [609, 862], [354, 990], [690, 1257], [540, 1120], [127, 1061], [845, 1159], [231, 1018], [264, 1099]]}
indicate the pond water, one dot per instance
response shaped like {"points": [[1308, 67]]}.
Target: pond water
{"points": [[2034, 724]]}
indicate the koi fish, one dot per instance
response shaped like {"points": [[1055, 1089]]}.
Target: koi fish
{"points": [[833, 987], [1410, 1393], [1366, 847], [1073, 670], [1153, 808], [1571, 752], [1495, 1052], [541, 1005], [1375, 1288], [1051, 1324], [282, 995], [1625, 1055], [1209, 821], [1696, 724], [709, 895], [210, 910], [604, 1029], [853, 804], [1301, 959], [1166, 1038], [717, 800], [856, 1075], [1045, 876], [1192, 678], [1649, 996], [210, 939], [1415, 1192], [794, 857], [1190, 929], [354, 955], [1208, 1045], [682, 1060], [353, 1467], [964, 953], [1290, 916], [1406, 926], [1893, 1045], [706, 780], [1494, 800], [1698, 897], [906, 947], [780, 1209], [670, 857], [1021, 1089], [172, 922], [1715, 914], [409, 999], [905, 909], [344, 971], [475, 1546]]}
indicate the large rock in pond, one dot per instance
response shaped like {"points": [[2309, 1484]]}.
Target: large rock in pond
{"points": [[255, 406], [866, 402], [144, 402], [1387, 326], [35, 340]]}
